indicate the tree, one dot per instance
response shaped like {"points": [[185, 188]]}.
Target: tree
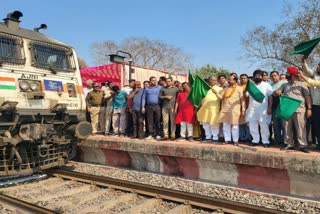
{"points": [[82, 63], [145, 52], [210, 70], [271, 46]]}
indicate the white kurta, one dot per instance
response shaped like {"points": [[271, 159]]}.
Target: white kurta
{"points": [[258, 111]]}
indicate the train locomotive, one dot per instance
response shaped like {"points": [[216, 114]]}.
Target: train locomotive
{"points": [[42, 105]]}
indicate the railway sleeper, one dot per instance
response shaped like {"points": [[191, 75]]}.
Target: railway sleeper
{"points": [[111, 203], [70, 192], [149, 204], [181, 209], [73, 206]]}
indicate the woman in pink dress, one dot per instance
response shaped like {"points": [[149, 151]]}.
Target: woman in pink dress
{"points": [[184, 111]]}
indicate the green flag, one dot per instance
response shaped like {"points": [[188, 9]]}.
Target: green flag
{"points": [[287, 106], [190, 78], [305, 48], [254, 92], [199, 90]]}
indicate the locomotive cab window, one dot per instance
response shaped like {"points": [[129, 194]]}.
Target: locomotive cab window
{"points": [[11, 50], [52, 58]]}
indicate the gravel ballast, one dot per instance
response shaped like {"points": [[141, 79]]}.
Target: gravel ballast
{"points": [[278, 202]]}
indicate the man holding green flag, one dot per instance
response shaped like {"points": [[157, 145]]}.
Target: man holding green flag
{"points": [[298, 90], [208, 113], [309, 81], [259, 110], [305, 48], [315, 95]]}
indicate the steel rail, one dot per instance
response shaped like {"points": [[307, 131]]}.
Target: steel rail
{"points": [[164, 193], [25, 206]]}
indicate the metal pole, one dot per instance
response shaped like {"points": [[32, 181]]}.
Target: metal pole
{"points": [[129, 61], [130, 69]]}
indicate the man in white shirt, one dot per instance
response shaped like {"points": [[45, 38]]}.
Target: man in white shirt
{"points": [[259, 114], [103, 86], [89, 88]]}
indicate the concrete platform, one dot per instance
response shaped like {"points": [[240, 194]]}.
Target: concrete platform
{"points": [[264, 169]]}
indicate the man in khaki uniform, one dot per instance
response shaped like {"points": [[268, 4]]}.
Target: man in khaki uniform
{"points": [[298, 90], [95, 103]]}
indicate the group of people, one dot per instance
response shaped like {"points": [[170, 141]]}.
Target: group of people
{"points": [[161, 109]]}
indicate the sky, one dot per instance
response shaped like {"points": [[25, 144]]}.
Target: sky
{"points": [[208, 30]]}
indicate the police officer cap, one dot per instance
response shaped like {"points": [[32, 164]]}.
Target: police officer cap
{"points": [[95, 84]]}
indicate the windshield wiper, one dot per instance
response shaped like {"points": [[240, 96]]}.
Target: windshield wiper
{"points": [[52, 70]]}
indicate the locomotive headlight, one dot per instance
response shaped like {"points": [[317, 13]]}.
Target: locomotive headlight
{"points": [[24, 85], [34, 86]]}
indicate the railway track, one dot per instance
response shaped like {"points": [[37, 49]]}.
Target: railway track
{"points": [[73, 192]]}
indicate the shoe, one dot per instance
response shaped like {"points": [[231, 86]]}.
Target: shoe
{"points": [[107, 134], [287, 148], [190, 139], [206, 141], [158, 137], [173, 138], [122, 135], [236, 143], [215, 141], [266, 145], [165, 137], [149, 137], [253, 144], [227, 142], [180, 139], [242, 140], [248, 142], [305, 150], [133, 137]]}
